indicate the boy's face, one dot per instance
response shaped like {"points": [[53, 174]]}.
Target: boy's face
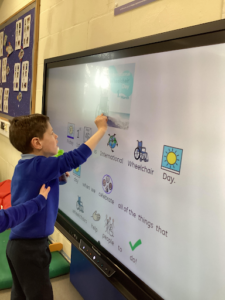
{"points": [[49, 142]]}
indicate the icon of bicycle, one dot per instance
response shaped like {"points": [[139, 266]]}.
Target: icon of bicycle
{"points": [[140, 152]]}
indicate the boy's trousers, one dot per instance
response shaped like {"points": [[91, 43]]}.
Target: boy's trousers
{"points": [[29, 261]]}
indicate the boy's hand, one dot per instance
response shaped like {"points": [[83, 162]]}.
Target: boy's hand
{"points": [[44, 192], [101, 122]]}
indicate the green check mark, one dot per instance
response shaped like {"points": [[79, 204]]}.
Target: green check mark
{"points": [[138, 243]]}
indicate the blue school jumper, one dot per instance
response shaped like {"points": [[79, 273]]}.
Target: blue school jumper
{"points": [[30, 174], [13, 216]]}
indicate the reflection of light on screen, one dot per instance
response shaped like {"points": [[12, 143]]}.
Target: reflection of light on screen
{"points": [[102, 78], [88, 70], [85, 88]]}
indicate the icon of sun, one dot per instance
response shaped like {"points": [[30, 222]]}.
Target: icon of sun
{"points": [[171, 158]]}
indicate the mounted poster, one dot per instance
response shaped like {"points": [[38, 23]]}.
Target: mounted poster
{"points": [[18, 62]]}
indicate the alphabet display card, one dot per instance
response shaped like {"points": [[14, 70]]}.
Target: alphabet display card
{"points": [[4, 65], [24, 79], [18, 35], [1, 92], [26, 31], [1, 43], [6, 100], [16, 79]]}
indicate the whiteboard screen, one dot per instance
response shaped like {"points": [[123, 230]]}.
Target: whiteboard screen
{"points": [[152, 193]]}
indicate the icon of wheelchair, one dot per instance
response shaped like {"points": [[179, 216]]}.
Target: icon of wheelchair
{"points": [[140, 152], [79, 205]]}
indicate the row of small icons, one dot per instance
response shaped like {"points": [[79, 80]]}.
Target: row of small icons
{"points": [[109, 223], [87, 134], [171, 158], [107, 182], [71, 132]]}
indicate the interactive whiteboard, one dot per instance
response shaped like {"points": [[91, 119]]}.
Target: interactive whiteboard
{"points": [[152, 193]]}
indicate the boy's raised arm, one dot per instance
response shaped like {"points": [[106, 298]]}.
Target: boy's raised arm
{"points": [[51, 168]]}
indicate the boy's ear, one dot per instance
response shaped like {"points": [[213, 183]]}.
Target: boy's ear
{"points": [[36, 143]]}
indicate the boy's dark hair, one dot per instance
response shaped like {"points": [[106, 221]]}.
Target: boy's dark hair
{"points": [[23, 129]]}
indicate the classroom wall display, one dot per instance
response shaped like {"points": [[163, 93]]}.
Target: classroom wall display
{"points": [[17, 36], [151, 197]]}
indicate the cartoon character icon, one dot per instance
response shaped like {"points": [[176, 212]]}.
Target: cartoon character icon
{"points": [[112, 143], [70, 129], [107, 184], [140, 152], [77, 171], [87, 133], [96, 216], [79, 205], [109, 226]]}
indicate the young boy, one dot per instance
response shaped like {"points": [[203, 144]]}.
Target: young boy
{"points": [[27, 250], [13, 216]]}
